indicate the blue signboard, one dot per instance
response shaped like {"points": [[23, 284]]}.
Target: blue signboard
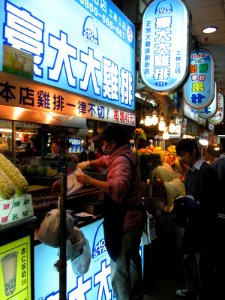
{"points": [[165, 44], [83, 46], [95, 284], [209, 111], [199, 90]]}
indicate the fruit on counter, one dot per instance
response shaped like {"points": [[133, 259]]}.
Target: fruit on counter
{"points": [[32, 170], [172, 149], [14, 174], [51, 172], [41, 171], [7, 189], [177, 165]]}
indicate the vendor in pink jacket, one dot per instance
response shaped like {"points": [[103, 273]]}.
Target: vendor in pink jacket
{"points": [[124, 214]]}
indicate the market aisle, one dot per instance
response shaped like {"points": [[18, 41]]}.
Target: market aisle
{"points": [[163, 272]]}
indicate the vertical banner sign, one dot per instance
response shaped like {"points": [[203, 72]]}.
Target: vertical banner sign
{"points": [[218, 117], [165, 44], [199, 88], [82, 46], [209, 111]]}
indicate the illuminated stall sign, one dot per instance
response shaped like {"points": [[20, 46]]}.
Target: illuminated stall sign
{"points": [[28, 94], [193, 114], [199, 90], [218, 117], [95, 284], [209, 111], [83, 46], [15, 269], [165, 42]]}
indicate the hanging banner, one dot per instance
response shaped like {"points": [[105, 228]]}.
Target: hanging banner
{"points": [[199, 90], [165, 44], [210, 110], [29, 94], [218, 117]]}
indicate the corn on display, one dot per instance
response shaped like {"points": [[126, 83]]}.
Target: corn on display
{"points": [[14, 175], [7, 189]]}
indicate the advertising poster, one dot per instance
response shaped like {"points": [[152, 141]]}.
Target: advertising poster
{"points": [[15, 270]]}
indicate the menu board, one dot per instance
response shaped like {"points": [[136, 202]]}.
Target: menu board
{"points": [[15, 209]]}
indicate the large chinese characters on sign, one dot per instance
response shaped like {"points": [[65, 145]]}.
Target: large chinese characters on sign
{"points": [[199, 90], [218, 117], [14, 91], [165, 45], [82, 46]]}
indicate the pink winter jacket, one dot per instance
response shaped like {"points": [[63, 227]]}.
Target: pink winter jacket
{"points": [[121, 178]]}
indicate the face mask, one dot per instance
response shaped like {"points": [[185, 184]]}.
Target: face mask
{"points": [[103, 149]]}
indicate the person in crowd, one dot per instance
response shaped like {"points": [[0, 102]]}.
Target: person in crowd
{"points": [[124, 229], [19, 147], [83, 156], [219, 166], [198, 243]]}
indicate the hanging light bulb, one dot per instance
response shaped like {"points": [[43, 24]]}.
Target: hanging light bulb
{"points": [[148, 121], [165, 135], [154, 117], [172, 126], [162, 124], [142, 119]]}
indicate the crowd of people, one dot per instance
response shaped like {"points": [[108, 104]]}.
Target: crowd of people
{"points": [[203, 241]]}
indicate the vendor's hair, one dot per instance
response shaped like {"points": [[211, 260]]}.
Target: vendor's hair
{"points": [[187, 145], [118, 133]]}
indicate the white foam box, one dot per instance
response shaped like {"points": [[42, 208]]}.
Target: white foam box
{"points": [[15, 209]]}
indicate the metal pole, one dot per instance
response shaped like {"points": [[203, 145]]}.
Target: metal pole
{"points": [[63, 237], [13, 141]]}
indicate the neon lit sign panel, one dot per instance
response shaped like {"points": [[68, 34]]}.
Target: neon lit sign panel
{"points": [[199, 90], [86, 47], [165, 42]]}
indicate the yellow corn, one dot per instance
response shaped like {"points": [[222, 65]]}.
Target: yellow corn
{"points": [[13, 173], [7, 189]]}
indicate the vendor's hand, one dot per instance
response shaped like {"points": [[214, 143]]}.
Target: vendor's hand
{"points": [[83, 178], [83, 165]]}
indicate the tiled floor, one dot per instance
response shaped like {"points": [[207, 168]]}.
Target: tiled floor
{"points": [[163, 275], [163, 272]]}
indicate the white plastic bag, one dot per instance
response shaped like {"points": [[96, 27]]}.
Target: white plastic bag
{"points": [[149, 233], [49, 231], [72, 184], [81, 264], [74, 245]]}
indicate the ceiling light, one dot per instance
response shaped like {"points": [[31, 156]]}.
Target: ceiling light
{"points": [[148, 121], [209, 29]]}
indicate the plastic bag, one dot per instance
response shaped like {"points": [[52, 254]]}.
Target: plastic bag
{"points": [[75, 244], [49, 231], [72, 184], [149, 233], [81, 264]]}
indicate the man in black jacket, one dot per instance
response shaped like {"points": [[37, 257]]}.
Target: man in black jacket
{"points": [[203, 184]]}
